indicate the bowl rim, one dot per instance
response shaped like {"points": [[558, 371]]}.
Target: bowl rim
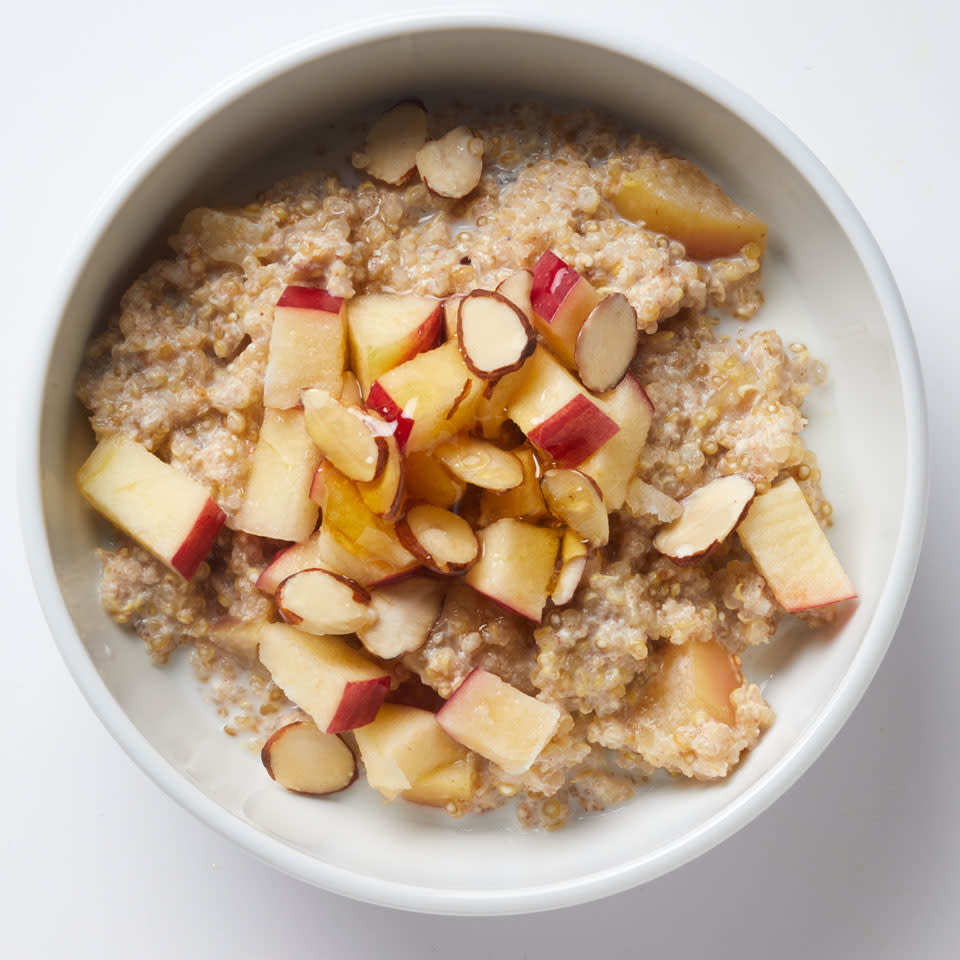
{"points": [[759, 795]]}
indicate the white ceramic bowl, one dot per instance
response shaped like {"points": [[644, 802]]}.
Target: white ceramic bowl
{"points": [[826, 284]]}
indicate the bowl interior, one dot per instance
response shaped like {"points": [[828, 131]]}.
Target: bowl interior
{"points": [[820, 289]]}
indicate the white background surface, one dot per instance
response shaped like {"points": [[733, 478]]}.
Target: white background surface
{"points": [[861, 858]]}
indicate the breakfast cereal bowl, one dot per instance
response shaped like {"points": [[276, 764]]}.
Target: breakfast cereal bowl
{"points": [[825, 286]]}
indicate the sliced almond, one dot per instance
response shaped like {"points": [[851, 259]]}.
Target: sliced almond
{"points": [[303, 759], [494, 335], [390, 153], [406, 612], [384, 495], [452, 166], [709, 516], [572, 561], [321, 602], [575, 498], [444, 542], [516, 288], [606, 343], [481, 463], [353, 439]]}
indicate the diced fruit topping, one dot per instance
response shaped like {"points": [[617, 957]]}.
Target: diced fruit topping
{"points": [[163, 509], [402, 745], [452, 784], [516, 565], [427, 479], [524, 500], [307, 346], [390, 153], [384, 496], [606, 343], [352, 439], [452, 166], [494, 334], [498, 721], [708, 518], [338, 687], [791, 550], [517, 289], [673, 196], [573, 561], [237, 636], [319, 601], [645, 500], [444, 541], [575, 499], [405, 614], [561, 300], [303, 759], [276, 501], [480, 462]]}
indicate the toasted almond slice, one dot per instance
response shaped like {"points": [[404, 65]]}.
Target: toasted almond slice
{"points": [[303, 759], [643, 499], [494, 335], [322, 602], [354, 440], [606, 343], [406, 612], [516, 288], [444, 542], [390, 153], [384, 496], [709, 516], [452, 166], [481, 463], [572, 562], [575, 498]]}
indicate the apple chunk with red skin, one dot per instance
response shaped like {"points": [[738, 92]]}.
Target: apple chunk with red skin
{"points": [[339, 688], [498, 721], [303, 759], [557, 414], [163, 509], [308, 346], [561, 300], [791, 550]]}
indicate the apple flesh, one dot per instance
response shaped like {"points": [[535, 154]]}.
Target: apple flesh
{"points": [[575, 499], [573, 562], [303, 759], [453, 785], [561, 300], [428, 480], [307, 346], [498, 721], [163, 509], [339, 688], [791, 550], [276, 502], [524, 500]]}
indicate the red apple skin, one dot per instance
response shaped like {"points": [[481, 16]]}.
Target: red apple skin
{"points": [[359, 704], [380, 401], [310, 298], [199, 541], [552, 281], [574, 432]]}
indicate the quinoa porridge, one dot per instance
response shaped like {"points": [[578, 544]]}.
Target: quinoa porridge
{"points": [[628, 661]]}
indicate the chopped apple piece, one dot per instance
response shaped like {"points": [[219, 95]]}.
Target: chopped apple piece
{"points": [[480, 462], [384, 496], [452, 784], [354, 440], [405, 614], [574, 498], [390, 153], [431, 397], [709, 517], [319, 601], [494, 334], [451, 315], [606, 343], [524, 500], [303, 759], [491, 412], [308, 346], [429, 480], [350, 390], [241, 638], [791, 550], [444, 541], [673, 196], [452, 166], [387, 329], [561, 299], [498, 721], [614, 464], [645, 500], [516, 565], [276, 501], [402, 745], [517, 288], [557, 414], [339, 688], [573, 561], [163, 509]]}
